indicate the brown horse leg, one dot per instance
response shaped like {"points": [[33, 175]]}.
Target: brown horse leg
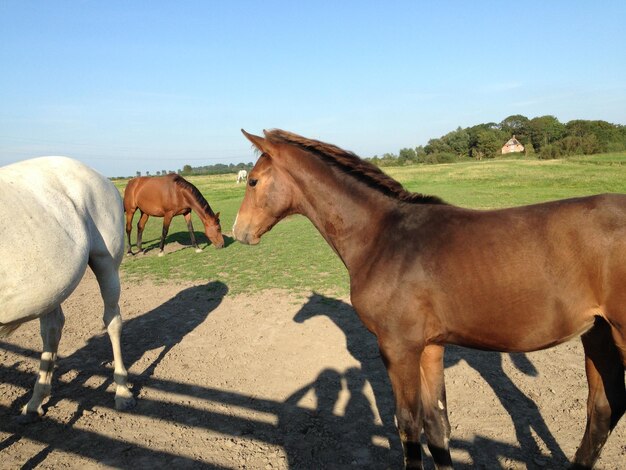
{"points": [[606, 402], [167, 220], [191, 234], [129, 227], [140, 226], [402, 366], [433, 396]]}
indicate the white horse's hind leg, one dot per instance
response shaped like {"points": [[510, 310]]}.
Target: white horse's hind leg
{"points": [[51, 326], [109, 281]]}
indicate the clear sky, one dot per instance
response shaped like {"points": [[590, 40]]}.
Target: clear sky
{"points": [[129, 86]]}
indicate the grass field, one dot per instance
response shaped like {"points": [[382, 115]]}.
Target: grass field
{"points": [[294, 256]]}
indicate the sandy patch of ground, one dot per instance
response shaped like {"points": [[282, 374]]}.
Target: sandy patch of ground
{"points": [[271, 381]]}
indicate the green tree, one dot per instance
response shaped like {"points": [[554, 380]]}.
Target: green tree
{"points": [[486, 140], [458, 141], [517, 125], [487, 144], [406, 156], [437, 146], [545, 130]]}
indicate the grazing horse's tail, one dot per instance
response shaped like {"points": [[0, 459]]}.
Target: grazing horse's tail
{"points": [[6, 330]]}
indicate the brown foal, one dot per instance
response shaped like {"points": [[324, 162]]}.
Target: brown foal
{"points": [[424, 273]]}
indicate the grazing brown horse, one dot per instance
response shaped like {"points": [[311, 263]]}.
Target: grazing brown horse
{"points": [[424, 273], [167, 196]]}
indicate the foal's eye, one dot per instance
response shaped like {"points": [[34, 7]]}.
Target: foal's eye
{"points": [[252, 182]]}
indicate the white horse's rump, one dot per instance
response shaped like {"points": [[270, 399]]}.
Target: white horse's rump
{"points": [[59, 216], [242, 176]]}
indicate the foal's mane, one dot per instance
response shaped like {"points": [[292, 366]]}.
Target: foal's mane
{"points": [[186, 185], [352, 165]]}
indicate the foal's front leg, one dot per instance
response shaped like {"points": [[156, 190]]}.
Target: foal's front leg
{"points": [[51, 326], [434, 406], [402, 365]]}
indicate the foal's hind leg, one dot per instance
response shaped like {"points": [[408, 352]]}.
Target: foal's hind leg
{"points": [[51, 326], [108, 278], [167, 220], [191, 234], [140, 226], [129, 227], [606, 402]]}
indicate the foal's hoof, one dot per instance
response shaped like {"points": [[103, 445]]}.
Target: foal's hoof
{"points": [[198, 250], [161, 254]]}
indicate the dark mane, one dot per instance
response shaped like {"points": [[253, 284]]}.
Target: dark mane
{"points": [[352, 165], [183, 183]]}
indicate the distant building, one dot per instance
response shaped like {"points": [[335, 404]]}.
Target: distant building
{"points": [[512, 146]]}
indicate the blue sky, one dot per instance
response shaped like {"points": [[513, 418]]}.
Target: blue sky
{"points": [[153, 85]]}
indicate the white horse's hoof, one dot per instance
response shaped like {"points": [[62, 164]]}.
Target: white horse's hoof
{"points": [[198, 250], [161, 253], [27, 418], [124, 404]]}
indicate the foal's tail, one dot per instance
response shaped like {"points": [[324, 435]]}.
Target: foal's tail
{"points": [[6, 330]]}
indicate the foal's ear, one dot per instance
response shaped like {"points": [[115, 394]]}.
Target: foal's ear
{"points": [[259, 142]]}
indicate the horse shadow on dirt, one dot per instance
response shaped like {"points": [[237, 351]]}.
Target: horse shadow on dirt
{"points": [[311, 438], [159, 329], [524, 413]]}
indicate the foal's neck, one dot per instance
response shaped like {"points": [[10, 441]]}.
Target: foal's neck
{"points": [[349, 215]]}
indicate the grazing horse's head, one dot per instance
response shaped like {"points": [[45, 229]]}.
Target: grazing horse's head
{"points": [[213, 230], [268, 197]]}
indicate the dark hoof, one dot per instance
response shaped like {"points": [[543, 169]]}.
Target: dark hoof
{"points": [[27, 418]]}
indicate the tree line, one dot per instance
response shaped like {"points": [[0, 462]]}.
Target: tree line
{"points": [[216, 169], [542, 137]]}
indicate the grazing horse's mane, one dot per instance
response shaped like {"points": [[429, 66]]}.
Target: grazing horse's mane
{"points": [[352, 165], [183, 183]]}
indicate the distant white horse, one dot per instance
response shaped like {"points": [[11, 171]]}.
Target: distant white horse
{"points": [[59, 216], [242, 176]]}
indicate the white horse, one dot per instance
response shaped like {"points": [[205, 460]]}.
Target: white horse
{"points": [[58, 216], [242, 176]]}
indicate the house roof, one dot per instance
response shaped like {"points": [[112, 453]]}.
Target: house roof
{"points": [[513, 141]]}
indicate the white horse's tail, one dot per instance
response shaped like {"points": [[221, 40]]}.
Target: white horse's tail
{"points": [[6, 330]]}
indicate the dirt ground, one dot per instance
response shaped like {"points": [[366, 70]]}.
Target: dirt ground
{"points": [[271, 381]]}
